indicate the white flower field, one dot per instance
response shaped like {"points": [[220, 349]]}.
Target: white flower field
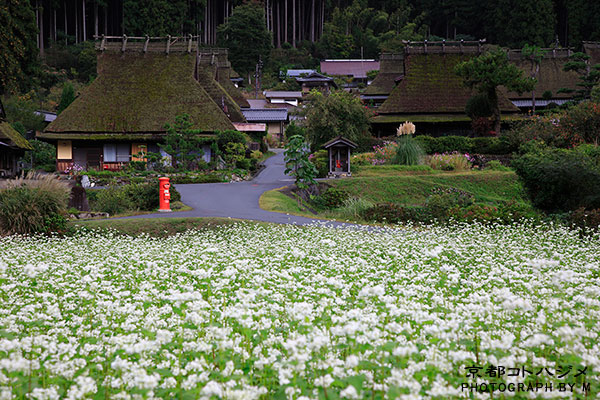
{"points": [[250, 311]]}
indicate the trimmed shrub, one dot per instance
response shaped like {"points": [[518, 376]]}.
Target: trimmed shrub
{"points": [[320, 160], [25, 204], [495, 165], [331, 198], [135, 196], [560, 180], [112, 200], [441, 201], [507, 213], [225, 137], [585, 219], [204, 178], [463, 144]]}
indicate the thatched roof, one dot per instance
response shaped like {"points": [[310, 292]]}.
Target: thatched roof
{"points": [[430, 86], [592, 49], [140, 93], [391, 66], [11, 137], [551, 77], [216, 64]]}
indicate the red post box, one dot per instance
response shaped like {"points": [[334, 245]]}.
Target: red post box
{"points": [[164, 195]]}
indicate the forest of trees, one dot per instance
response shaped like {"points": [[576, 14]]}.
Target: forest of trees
{"points": [[505, 22], [317, 28]]}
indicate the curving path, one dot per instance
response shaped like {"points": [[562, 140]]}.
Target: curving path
{"points": [[240, 199]]}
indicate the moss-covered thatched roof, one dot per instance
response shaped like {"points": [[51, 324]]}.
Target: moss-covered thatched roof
{"points": [[14, 138], [551, 77], [391, 67], [430, 86], [592, 49], [216, 63], [434, 118], [218, 94], [140, 93], [224, 76]]}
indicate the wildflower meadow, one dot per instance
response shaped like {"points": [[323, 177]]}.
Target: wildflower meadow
{"points": [[249, 311]]}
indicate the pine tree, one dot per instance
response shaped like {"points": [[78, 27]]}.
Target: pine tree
{"points": [[489, 71]]}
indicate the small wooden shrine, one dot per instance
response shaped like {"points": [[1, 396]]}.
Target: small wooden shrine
{"points": [[339, 150]]}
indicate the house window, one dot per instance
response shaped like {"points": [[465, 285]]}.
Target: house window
{"points": [[123, 152], [110, 152]]}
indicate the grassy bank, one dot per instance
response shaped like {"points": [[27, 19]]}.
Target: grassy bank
{"points": [[409, 187], [412, 188]]}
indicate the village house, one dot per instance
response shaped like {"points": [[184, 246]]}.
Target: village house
{"points": [[551, 78], [391, 71], [12, 147], [353, 71], [281, 98], [142, 85], [317, 81], [275, 119], [428, 92]]}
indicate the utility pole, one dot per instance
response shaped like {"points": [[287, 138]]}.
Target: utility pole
{"points": [[257, 76]]}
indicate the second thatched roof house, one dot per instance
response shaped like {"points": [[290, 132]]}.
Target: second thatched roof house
{"points": [[141, 87], [12, 147], [429, 93]]}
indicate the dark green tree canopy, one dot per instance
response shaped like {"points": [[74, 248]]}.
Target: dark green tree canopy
{"points": [[519, 22], [18, 49], [246, 37], [340, 113], [161, 17]]}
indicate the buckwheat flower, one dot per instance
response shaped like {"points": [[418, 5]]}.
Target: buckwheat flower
{"points": [[324, 381], [50, 393], [403, 351], [351, 362], [349, 393], [212, 388]]}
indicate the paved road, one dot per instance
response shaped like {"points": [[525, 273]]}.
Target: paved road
{"points": [[240, 199]]}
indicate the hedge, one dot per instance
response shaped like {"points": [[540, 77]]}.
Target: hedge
{"points": [[463, 144]]}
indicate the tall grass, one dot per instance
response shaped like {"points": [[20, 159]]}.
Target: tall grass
{"points": [[449, 162], [353, 208], [408, 151], [26, 203]]}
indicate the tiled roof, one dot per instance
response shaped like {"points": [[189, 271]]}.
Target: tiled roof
{"points": [[280, 94], [354, 68], [315, 77], [265, 114], [431, 86], [295, 73]]}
